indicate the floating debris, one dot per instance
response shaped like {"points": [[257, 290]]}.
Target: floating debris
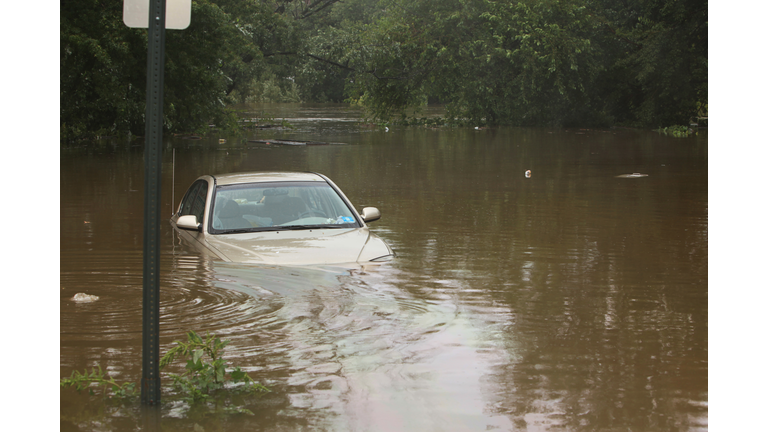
{"points": [[528, 174], [294, 142], [633, 175], [84, 298]]}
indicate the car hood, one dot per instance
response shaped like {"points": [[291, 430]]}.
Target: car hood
{"points": [[300, 247]]}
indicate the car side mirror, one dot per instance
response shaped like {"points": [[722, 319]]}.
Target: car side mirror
{"points": [[188, 222], [371, 214]]}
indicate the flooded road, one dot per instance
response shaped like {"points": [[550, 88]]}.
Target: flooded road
{"points": [[573, 299]]}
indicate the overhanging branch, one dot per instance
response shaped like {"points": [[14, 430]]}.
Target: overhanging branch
{"points": [[330, 62]]}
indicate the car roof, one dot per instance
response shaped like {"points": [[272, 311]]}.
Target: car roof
{"points": [[272, 176]]}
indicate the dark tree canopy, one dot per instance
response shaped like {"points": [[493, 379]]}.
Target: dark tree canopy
{"points": [[526, 62], [531, 62], [228, 45]]}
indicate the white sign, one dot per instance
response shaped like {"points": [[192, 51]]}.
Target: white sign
{"points": [[177, 13]]}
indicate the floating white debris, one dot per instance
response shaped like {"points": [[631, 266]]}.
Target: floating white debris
{"points": [[528, 174], [84, 298], [633, 175]]}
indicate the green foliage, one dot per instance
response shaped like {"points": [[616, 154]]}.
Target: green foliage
{"points": [[657, 59], [109, 387], [205, 368], [102, 83], [542, 64], [206, 375], [273, 89], [431, 122], [677, 131], [518, 62], [529, 62], [227, 46], [491, 62]]}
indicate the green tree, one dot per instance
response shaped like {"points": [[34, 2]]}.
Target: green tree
{"points": [[215, 61], [528, 62], [536, 63], [518, 62], [490, 61], [657, 71], [212, 63], [102, 85]]}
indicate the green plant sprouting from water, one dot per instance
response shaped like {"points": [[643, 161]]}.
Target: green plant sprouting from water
{"points": [[206, 369], [205, 373], [85, 380]]}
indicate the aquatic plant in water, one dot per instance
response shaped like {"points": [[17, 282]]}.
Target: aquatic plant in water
{"points": [[205, 374], [677, 131], [203, 377], [85, 380]]}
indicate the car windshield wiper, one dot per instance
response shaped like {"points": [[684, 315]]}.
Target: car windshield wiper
{"points": [[240, 231], [282, 228], [300, 227]]}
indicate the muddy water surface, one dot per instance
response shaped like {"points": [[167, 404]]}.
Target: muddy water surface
{"points": [[570, 300]]}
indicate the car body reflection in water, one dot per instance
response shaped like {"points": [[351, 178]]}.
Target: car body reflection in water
{"points": [[353, 351]]}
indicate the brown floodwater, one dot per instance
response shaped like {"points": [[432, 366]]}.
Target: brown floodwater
{"points": [[570, 300]]}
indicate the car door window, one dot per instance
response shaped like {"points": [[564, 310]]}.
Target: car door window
{"points": [[194, 200]]}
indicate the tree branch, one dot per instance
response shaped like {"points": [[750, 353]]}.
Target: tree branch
{"points": [[331, 62], [312, 12]]}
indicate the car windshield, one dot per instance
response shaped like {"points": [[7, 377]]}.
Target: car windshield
{"points": [[278, 206]]}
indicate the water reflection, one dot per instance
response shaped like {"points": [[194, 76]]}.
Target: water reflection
{"points": [[356, 345]]}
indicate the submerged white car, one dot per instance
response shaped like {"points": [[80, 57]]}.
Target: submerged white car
{"points": [[284, 218]]}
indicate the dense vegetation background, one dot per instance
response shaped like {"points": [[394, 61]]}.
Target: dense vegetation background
{"points": [[527, 62]]}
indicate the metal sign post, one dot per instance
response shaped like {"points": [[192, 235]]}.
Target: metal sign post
{"points": [[151, 14], [153, 152]]}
